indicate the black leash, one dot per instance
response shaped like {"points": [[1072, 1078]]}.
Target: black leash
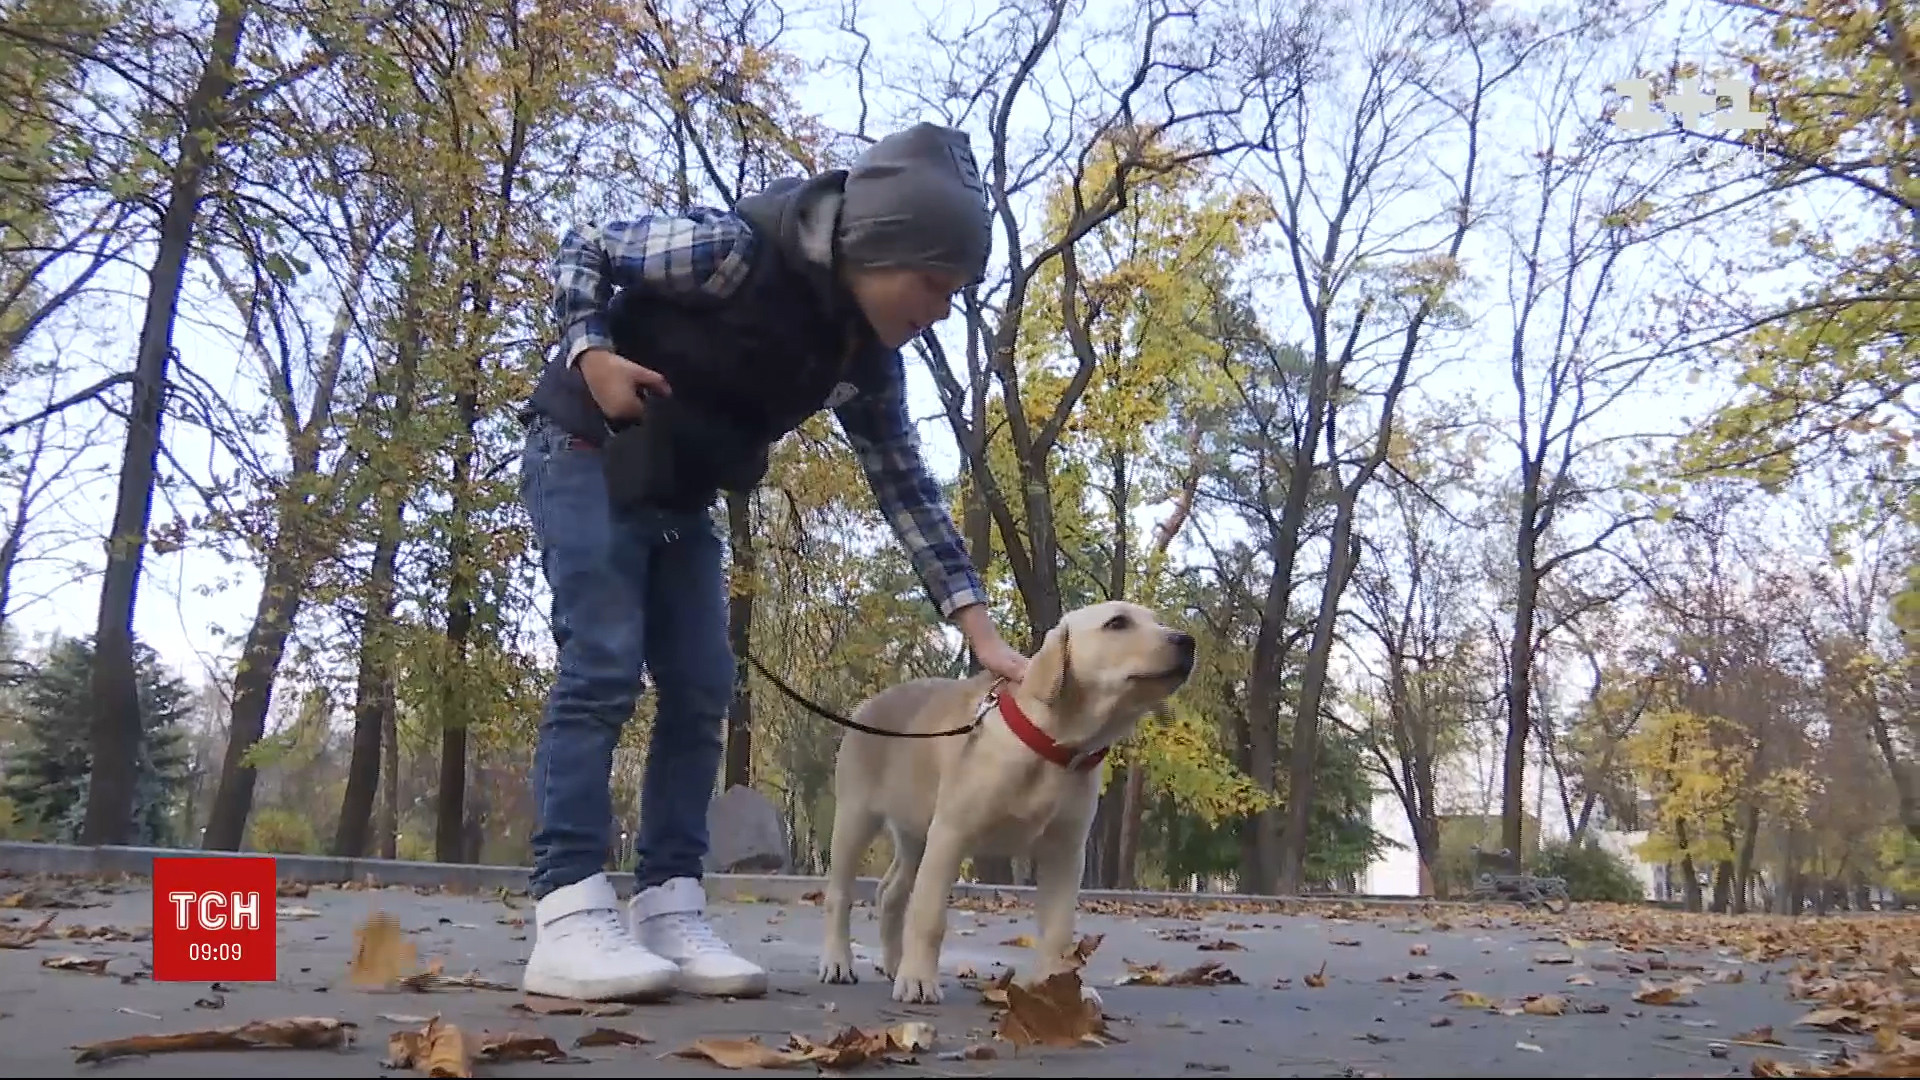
{"points": [[822, 711]]}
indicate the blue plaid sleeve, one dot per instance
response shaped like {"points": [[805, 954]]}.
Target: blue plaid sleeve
{"points": [[700, 254], [888, 450]]}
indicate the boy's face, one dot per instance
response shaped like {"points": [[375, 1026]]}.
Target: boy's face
{"points": [[899, 303]]}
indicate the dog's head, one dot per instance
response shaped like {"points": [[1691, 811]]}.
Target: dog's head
{"points": [[1109, 661]]}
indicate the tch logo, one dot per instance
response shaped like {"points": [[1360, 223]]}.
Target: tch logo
{"points": [[213, 920]]}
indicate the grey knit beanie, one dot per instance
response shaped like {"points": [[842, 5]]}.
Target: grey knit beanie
{"points": [[915, 199]]}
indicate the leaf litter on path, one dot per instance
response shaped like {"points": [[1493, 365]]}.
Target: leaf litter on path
{"points": [[289, 1033], [848, 1048]]}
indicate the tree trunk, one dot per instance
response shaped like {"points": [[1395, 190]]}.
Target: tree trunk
{"points": [[374, 689], [116, 723], [1513, 797], [740, 601], [388, 827], [281, 593]]}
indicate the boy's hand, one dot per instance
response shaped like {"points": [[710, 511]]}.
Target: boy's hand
{"points": [[615, 383], [988, 646]]}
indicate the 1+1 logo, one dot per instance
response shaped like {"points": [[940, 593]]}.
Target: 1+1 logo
{"points": [[213, 920], [1695, 108]]}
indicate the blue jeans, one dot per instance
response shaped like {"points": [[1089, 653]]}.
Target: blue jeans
{"points": [[630, 590]]}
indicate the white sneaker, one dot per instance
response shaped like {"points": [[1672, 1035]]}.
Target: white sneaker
{"points": [[669, 919], [582, 949]]}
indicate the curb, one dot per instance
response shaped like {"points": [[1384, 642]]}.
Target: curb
{"points": [[30, 858]]}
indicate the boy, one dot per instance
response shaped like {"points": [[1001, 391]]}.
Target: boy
{"points": [[730, 329]]}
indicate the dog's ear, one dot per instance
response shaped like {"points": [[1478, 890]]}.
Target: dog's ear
{"points": [[1049, 670]]}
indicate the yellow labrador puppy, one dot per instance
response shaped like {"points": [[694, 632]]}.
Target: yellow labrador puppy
{"points": [[1024, 782]]}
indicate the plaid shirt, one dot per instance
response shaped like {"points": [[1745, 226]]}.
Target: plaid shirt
{"points": [[704, 254]]}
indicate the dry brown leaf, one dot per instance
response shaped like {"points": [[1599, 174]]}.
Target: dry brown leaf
{"points": [[1545, 1005], [291, 1033], [851, 1047], [382, 955], [1222, 945], [1469, 999], [1209, 973], [518, 1046], [743, 1054], [21, 937], [1553, 958], [1652, 993], [1728, 975], [605, 1036], [1346, 941], [1417, 949], [92, 965], [1083, 950], [434, 979], [1317, 979], [1052, 1013], [552, 1006], [1837, 1020], [1580, 980], [1024, 941], [1762, 1034], [436, 1050]]}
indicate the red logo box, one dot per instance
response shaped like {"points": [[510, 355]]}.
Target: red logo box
{"points": [[213, 919]]}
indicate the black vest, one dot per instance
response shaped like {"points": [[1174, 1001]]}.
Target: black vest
{"points": [[745, 371]]}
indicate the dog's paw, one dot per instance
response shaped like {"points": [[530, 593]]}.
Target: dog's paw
{"points": [[1091, 996], [886, 966], [910, 989], [837, 967]]}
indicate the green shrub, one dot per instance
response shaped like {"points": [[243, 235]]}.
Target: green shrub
{"points": [[1592, 873]]}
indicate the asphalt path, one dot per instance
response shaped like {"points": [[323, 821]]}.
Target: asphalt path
{"points": [[1330, 990]]}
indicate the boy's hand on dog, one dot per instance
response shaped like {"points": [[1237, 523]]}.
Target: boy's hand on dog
{"points": [[615, 383], [988, 646]]}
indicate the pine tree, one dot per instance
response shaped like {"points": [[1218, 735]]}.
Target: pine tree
{"points": [[47, 774]]}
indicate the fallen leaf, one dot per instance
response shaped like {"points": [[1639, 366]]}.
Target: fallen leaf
{"points": [[21, 937], [291, 1033], [433, 979], [1024, 941], [1528, 1047], [1837, 1020], [1545, 1005], [296, 912], [851, 1048], [1416, 949], [1728, 975], [382, 955], [1210, 973], [605, 1036], [1580, 980], [92, 965], [1348, 942], [1222, 945], [1318, 979], [552, 1006], [1553, 958], [1762, 1034], [437, 1050], [1652, 993], [1469, 999], [217, 1001], [743, 1054], [1053, 1013], [516, 1046]]}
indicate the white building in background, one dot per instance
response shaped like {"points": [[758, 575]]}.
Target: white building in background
{"points": [[1468, 786]]}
